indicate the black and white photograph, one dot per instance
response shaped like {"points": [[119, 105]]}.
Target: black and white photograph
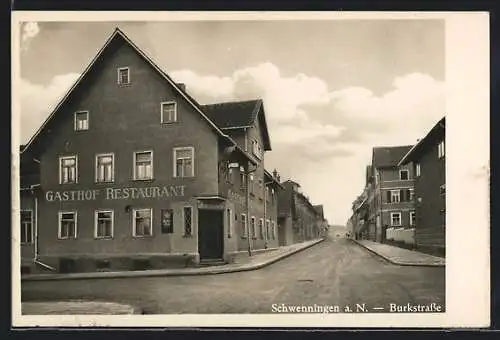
{"points": [[250, 169]]}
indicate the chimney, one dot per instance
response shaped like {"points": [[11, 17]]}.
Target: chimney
{"points": [[275, 173], [182, 86]]}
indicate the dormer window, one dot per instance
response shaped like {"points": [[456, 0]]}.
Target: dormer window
{"points": [[123, 76], [168, 112], [81, 120]]}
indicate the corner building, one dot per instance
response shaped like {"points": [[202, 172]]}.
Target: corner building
{"points": [[135, 174]]}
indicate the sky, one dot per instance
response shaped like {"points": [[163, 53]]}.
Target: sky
{"points": [[332, 89]]}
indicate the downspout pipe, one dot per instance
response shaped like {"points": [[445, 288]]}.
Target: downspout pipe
{"points": [[248, 172], [35, 245], [265, 211]]}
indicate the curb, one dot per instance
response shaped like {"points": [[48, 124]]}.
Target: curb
{"points": [[159, 273], [396, 262]]}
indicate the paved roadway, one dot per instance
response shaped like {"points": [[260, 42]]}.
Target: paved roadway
{"points": [[334, 272]]}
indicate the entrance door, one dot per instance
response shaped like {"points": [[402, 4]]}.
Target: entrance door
{"points": [[210, 234]]}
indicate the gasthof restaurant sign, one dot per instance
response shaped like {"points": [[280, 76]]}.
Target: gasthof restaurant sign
{"points": [[124, 193]]}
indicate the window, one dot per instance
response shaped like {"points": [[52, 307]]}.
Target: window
{"points": [[167, 221], [395, 196], [68, 169], [123, 76], [396, 219], [412, 218], [255, 148], [26, 226], [104, 220], [143, 165], [142, 222], [441, 149], [261, 228], [67, 225], [442, 190], [403, 175], [229, 223], [251, 183], [184, 162], [188, 221], [411, 194], [268, 230], [243, 225], [168, 112], [243, 178], [104, 168], [417, 169], [81, 120], [252, 226]]}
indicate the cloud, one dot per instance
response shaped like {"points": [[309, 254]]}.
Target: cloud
{"points": [[29, 30], [38, 101], [321, 137]]}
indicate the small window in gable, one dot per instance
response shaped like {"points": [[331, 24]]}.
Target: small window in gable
{"points": [[168, 112], [81, 120], [123, 76]]}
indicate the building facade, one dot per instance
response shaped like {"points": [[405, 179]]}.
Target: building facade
{"points": [[392, 191], [134, 173], [298, 219], [387, 201], [429, 163], [321, 222]]}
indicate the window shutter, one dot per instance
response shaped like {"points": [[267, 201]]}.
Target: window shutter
{"points": [[402, 195], [388, 196]]}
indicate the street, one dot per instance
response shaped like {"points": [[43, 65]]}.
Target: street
{"points": [[334, 272]]}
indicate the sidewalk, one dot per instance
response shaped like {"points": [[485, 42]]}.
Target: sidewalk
{"points": [[242, 263], [76, 308], [400, 256]]}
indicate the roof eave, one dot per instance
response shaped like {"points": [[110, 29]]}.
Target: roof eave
{"points": [[411, 153]]}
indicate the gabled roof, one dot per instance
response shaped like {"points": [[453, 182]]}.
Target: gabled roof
{"points": [[437, 131], [118, 34], [388, 156], [239, 115]]}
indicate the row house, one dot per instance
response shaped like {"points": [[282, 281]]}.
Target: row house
{"points": [[391, 193], [129, 171], [387, 201], [321, 221], [428, 160], [298, 219], [358, 226]]}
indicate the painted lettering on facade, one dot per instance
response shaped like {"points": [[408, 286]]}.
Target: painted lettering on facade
{"points": [[116, 193]]}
